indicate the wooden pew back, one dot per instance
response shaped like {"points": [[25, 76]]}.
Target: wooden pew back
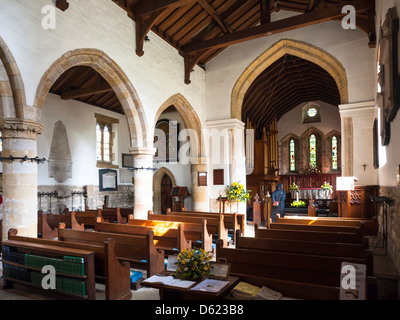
{"points": [[113, 215], [320, 236], [323, 228], [170, 239], [215, 225], [197, 233], [138, 250], [108, 269]]}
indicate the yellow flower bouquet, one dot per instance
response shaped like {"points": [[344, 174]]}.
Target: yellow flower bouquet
{"points": [[237, 192], [193, 264], [298, 204]]}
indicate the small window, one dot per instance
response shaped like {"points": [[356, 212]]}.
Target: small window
{"points": [[313, 151], [292, 152], [104, 139], [334, 153], [311, 113], [1, 143]]}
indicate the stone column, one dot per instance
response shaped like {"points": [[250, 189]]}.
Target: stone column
{"points": [[20, 177], [357, 136], [199, 193], [143, 181]]}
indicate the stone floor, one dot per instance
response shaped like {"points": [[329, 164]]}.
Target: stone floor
{"points": [[388, 284]]}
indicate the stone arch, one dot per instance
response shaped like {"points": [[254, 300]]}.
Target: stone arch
{"points": [[116, 78], [157, 178], [275, 52], [189, 117], [12, 90]]}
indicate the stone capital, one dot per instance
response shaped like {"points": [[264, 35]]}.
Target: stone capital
{"points": [[142, 152], [20, 129]]}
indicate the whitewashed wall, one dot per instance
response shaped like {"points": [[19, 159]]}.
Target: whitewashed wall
{"points": [[103, 25]]}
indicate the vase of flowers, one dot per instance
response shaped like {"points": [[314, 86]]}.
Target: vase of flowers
{"points": [[298, 204], [327, 188], [294, 190], [193, 264], [237, 193]]}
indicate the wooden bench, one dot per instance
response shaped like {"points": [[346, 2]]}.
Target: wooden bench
{"points": [[295, 275], [51, 222], [320, 236], [325, 228], [343, 250], [233, 221], [171, 240], [125, 212], [370, 225], [88, 218], [107, 268], [113, 215], [215, 225], [138, 250], [197, 233]]}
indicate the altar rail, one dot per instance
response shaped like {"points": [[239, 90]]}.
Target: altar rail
{"points": [[309, 181]]}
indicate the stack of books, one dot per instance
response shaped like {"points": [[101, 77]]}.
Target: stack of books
{"points": [[247, 291], [68, 265]]}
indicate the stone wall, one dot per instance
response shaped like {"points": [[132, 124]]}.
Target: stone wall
{"points": [[393, 223], [55, 199]]}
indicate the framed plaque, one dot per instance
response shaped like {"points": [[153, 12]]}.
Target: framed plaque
{"points": [[108, 180], [202, 179]]}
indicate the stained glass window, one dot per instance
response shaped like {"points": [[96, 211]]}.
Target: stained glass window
{"points": [[312, 112], [292, 153], [313, 151], [334, 153]]}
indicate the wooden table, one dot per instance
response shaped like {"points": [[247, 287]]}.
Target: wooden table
{"points": [[176, 293]]}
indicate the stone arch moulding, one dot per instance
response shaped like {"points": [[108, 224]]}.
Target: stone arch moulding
{"points": [[116, 78], [12, 90], [189, 117], [157, 178], [275, 52]]}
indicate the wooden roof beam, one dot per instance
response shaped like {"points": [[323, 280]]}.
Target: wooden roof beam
{"points": [[303, 20], [147, 7], [214, 14], [63, 5], [265, 12], [80, 93]]}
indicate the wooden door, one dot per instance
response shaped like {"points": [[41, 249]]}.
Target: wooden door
{"points": [[166, 186]]}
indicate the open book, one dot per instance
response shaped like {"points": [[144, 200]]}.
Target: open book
{"points": [[170, 281], [247, 291]]}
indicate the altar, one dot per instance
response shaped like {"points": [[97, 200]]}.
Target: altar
{"points": [[313, 193]]}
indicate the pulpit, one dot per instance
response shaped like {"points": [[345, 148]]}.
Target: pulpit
{"points": [[178, 195]]}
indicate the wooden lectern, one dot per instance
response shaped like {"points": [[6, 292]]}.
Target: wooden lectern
{"points": [[178, 195]]}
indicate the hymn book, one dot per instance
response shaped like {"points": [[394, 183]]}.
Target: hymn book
{"points": [[170, 281]]}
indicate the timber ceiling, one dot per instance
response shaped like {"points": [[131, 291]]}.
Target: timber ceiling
{"points": [[287, 83], [84, 84], [201, 29]]}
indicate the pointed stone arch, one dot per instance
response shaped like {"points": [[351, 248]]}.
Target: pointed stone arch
{"points": [[116, 78], [12, 90], [157, 179], [275, 52], [189, 117]]}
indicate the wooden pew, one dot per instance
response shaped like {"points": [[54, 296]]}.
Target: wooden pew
{"points": [[197, 233], [108, 269], [171, 240], [344, 250], [330, 228], [125, 212], [138, 250], [318, 276], [215, 225], [370, 225], [51, 222], [233, 221], [89, 217], [113, 215], [341, 237]]}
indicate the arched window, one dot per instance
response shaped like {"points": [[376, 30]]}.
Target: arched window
{"points": [[334, 153], [104, 139], [292, 153], [313, 151], [1, 143]]}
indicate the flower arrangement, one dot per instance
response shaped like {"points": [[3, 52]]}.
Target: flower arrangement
{"points": [[326, 186], [193, 264], [294, 187], [298, 204], [237, 192]]}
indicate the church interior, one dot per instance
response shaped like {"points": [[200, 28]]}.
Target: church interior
{"points": [[136, 133]]}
